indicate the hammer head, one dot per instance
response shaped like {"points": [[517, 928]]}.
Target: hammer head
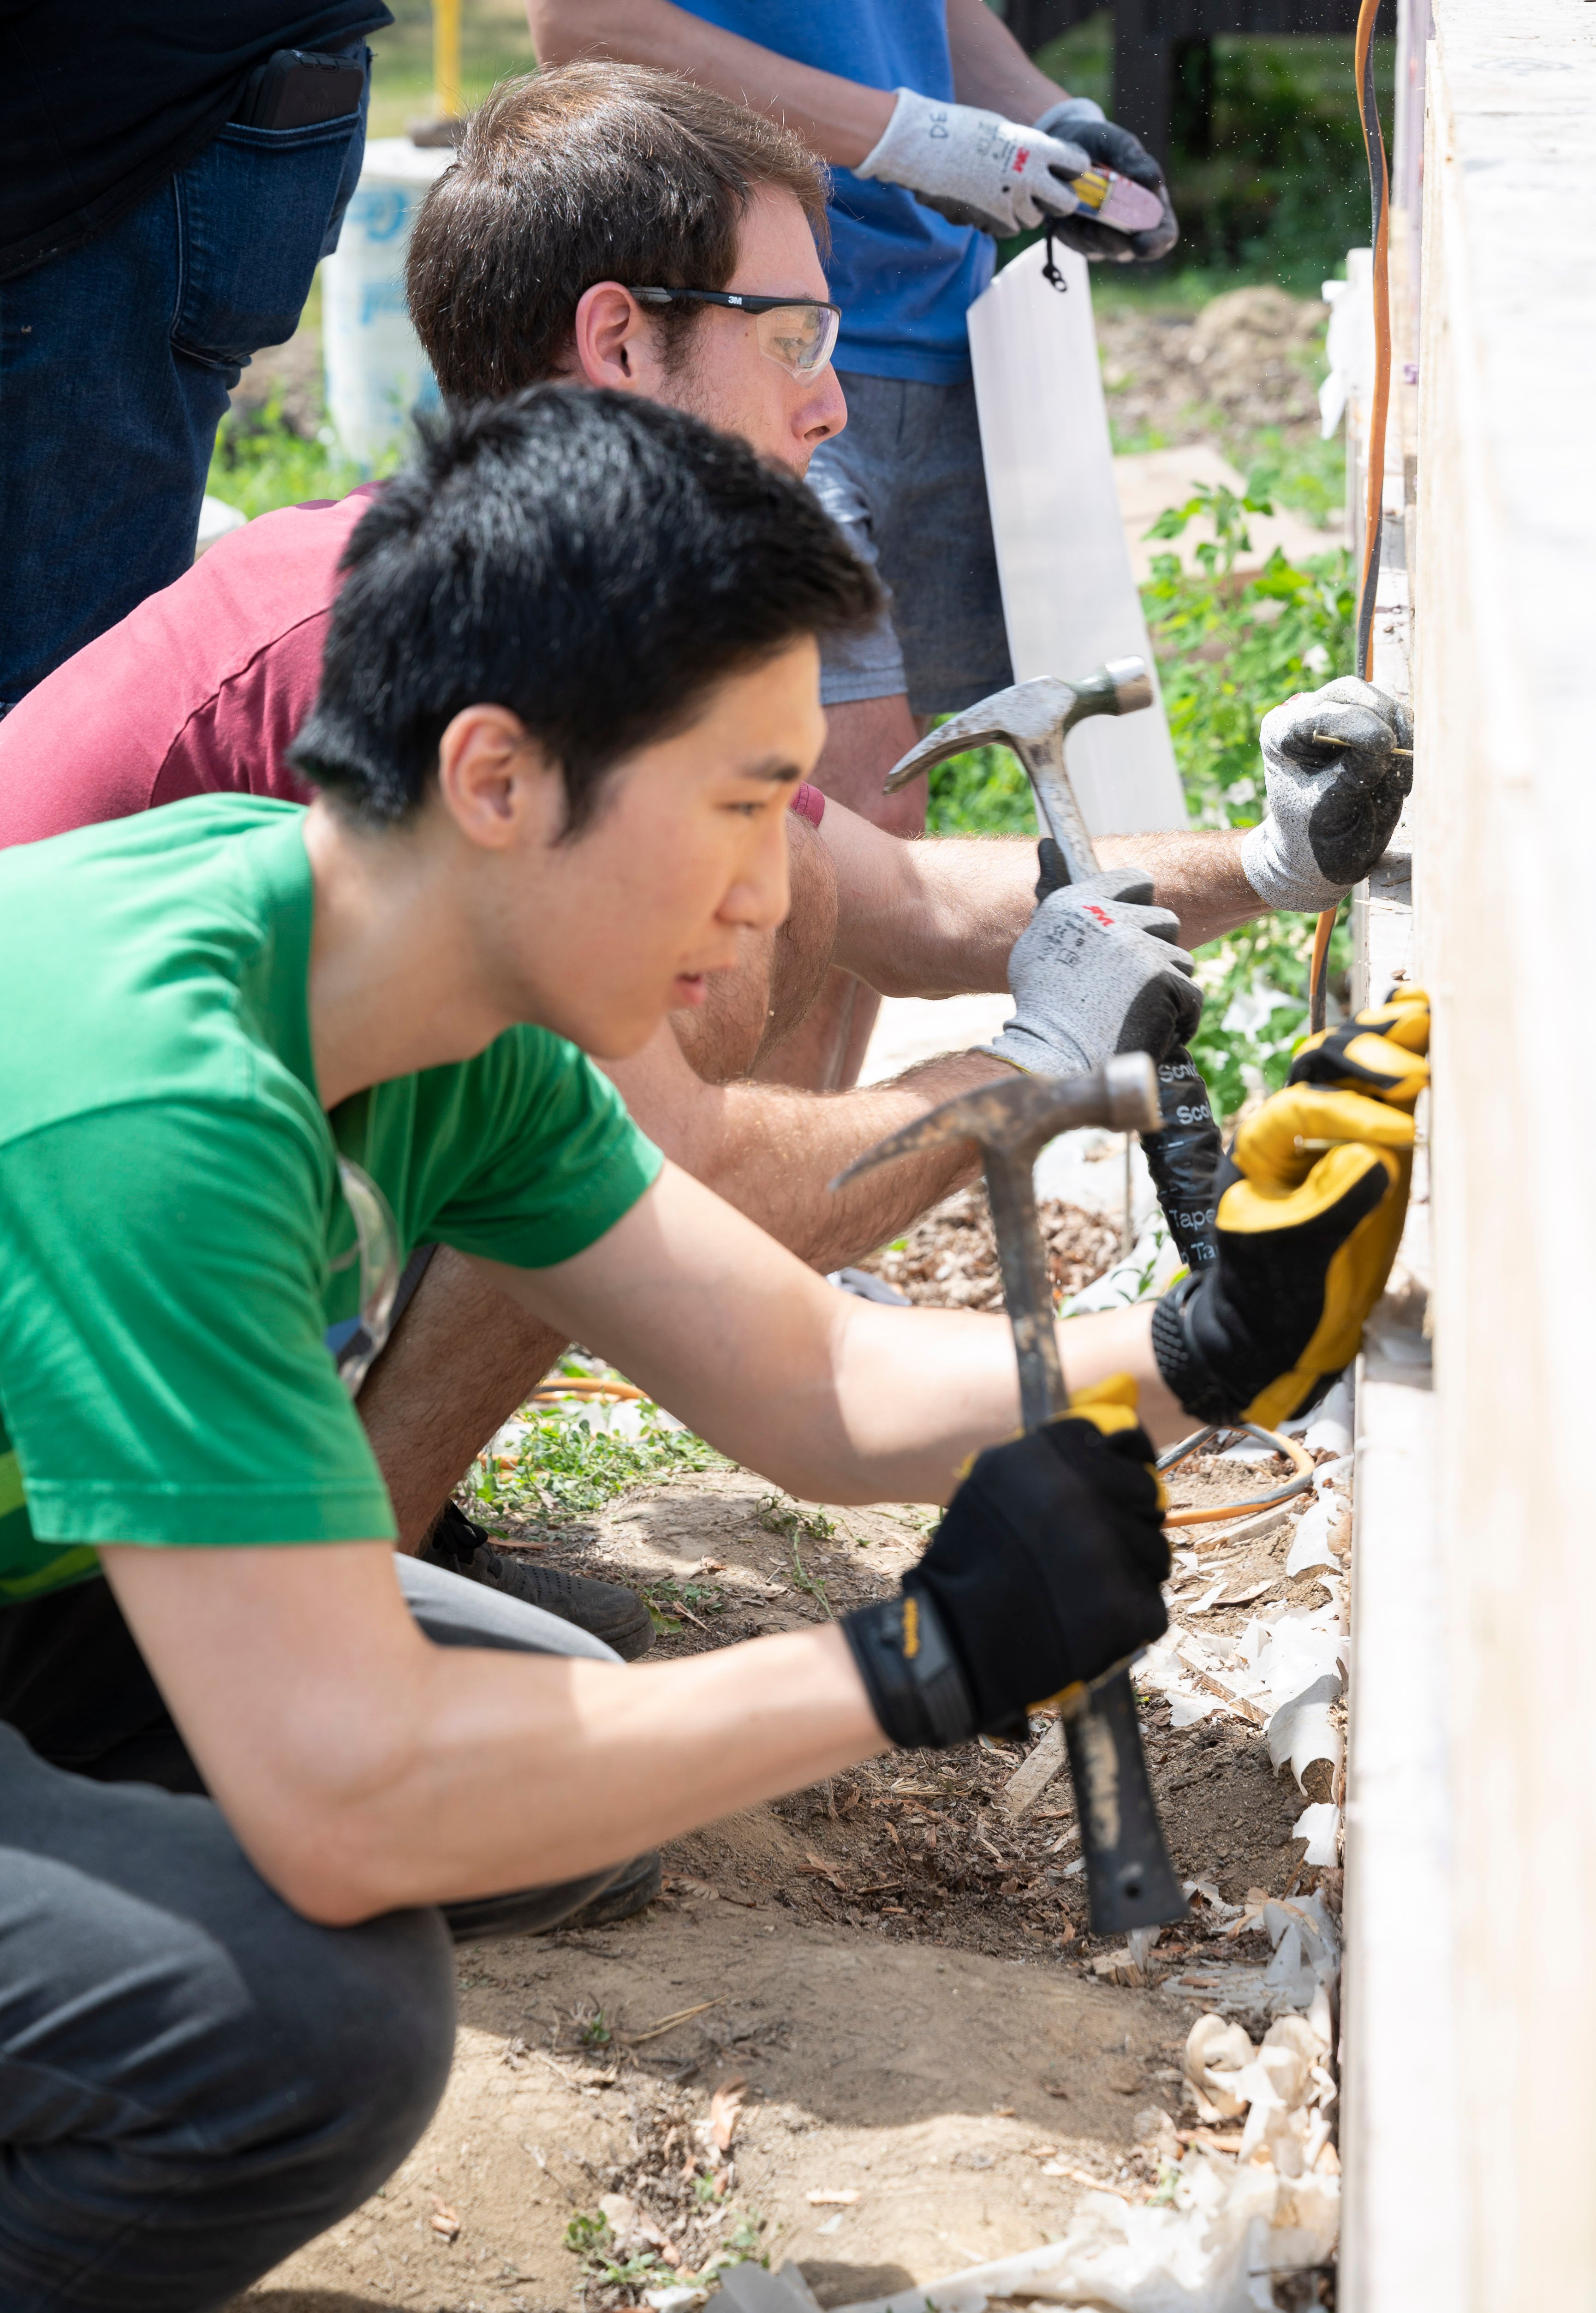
{"points": [[1019, 1114], [1029, 715]]}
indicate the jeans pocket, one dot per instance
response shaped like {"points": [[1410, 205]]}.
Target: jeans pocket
{"points": [[255, 211]]}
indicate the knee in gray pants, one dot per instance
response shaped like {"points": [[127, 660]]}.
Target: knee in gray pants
{"points": [[453, 1613], [194, 2081]]}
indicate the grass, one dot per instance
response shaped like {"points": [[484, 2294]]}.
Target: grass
{"points": [[570, 1462], [495, 43], [260, 462]]}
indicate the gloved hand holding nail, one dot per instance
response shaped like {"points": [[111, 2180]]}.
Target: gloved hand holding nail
{"points": [[1338, 763]]}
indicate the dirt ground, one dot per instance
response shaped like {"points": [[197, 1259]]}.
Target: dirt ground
{"points": [[1242, 361], [901, 1975]]}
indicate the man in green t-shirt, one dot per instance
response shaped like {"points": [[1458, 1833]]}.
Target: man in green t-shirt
{"points": [[248, 1763]]}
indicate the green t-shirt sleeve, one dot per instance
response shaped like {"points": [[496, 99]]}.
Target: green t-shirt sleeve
{"points": [[164, 1376], [558, 1160]]}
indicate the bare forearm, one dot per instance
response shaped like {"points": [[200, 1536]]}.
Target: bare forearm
{"points": [[833, 1397], [780, 1150], [772, 1152], [1195, 872], [933, 918], [991, 68], [839, 118], [365, 1771], [541, 1778], [939, 918]]}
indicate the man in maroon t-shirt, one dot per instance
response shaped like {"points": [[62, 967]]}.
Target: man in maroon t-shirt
{"points": [[204, 686]]}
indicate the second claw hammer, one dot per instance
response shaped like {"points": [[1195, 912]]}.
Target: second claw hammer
{"points": [[1129, 1881], [1034, 719]]}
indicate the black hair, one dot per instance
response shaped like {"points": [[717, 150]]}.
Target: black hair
{"points": [[591, 561]]}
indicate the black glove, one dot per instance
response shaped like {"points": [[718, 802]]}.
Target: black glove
{"points": [[1311, 1201], [1109, 146], [1045, 1571]]}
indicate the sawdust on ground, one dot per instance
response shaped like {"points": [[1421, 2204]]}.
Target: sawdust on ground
{"points": [[949, 1258]]}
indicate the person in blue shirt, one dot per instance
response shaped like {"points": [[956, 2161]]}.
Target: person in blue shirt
{"points": [[943, 136]]}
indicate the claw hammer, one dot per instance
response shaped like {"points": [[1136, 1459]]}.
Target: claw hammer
{"points": [[1129, 1881], [1034, 718]]}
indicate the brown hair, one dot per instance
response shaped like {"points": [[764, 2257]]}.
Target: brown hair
{"points": [[587, 173]]}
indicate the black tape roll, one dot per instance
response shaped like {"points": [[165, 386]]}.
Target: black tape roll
{"points": [[1183, 1160]]}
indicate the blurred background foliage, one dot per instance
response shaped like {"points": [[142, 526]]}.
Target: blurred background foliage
{"points": [[1266, 159]]}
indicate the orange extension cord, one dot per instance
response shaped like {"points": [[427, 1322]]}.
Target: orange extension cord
{"points": [[1380, 188]]}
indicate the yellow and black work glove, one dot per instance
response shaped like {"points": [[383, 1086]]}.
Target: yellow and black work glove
{"points": [[1046, 1569], [1312, 1197]]}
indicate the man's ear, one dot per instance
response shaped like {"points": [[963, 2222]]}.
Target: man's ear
{"points": [[495, 781], [613, 341]]}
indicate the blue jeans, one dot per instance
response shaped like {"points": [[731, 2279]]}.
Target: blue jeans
{"points": [[116, 363], [194, 2081]]}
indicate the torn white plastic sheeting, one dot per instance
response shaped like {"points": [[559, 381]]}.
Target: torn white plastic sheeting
{"points": [[1276, 1658], [1301, 1732], [1327, 1516], [1302, 1965], [1209, 2249], [1320, 1826], [1069, 598]]}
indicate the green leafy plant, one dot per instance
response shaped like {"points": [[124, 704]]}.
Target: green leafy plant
{"points": [[571, 1461], [586, 2233], [668, 1600], [1216, 555], [790, 1519], [261, 461]]}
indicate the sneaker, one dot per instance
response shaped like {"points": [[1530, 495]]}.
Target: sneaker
{"points": [[633, 1891], [607, 1610], [868, 1288]]}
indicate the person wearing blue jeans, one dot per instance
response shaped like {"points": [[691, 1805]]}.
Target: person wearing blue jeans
{"points": [[151, 242], [921, 107]]}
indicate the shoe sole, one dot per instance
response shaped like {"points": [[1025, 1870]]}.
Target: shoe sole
{"points": [[635, 1889]]}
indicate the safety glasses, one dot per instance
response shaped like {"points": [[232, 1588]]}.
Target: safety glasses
{"points": [[797, 333]]}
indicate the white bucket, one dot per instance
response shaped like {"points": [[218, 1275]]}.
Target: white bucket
{"points": [[376, 372]]}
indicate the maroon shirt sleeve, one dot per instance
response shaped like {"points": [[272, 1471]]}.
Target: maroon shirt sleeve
{"points": [[198, 691]]}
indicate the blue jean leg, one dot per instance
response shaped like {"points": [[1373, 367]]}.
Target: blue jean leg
{"points": [[194, 2081], [116, 363]]}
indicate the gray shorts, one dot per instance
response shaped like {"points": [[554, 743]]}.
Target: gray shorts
{"points": [[905, 482]]}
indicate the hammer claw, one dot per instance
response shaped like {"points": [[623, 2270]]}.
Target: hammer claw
{"points": [[1017, 1114]]}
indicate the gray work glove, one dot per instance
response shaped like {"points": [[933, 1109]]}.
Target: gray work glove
{"points": [[974, 166], [1331, 802], [1098, 971], [1079, 122]]}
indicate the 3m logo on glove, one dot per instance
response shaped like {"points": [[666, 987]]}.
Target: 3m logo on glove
{"points": [[1099, 915]]}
